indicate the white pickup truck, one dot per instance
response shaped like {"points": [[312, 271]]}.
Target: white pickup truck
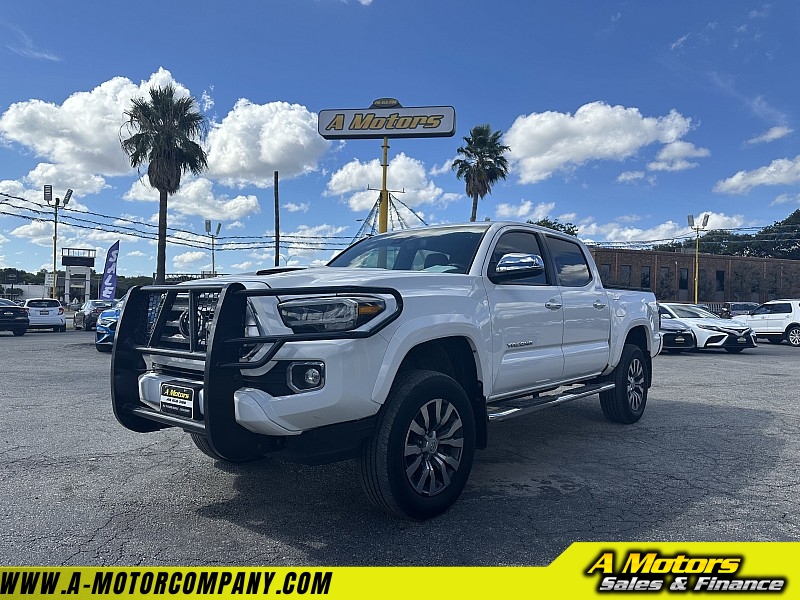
{"points": [[399, 352]]}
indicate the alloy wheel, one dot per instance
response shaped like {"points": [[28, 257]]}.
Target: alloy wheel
{"points": [[433, 447]]}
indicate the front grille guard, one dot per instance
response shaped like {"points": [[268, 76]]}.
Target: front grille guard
{"points": [[208, 323]]}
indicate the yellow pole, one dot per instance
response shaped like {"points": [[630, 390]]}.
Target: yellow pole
{"points": [[55, 235], [696, 262], [383, 210]]}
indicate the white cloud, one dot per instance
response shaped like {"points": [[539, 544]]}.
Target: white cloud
{"points": [[543, 143], [616, 231], [189, 259], [678, 44], [20, 43], [244, 266], [774, 133], [196, 197], [81, 136], [673, 157], [782, 171], [786, 199], [403, 172], [294, 207], [445, 167], [628, 176], [524, 211], [255, 140]]}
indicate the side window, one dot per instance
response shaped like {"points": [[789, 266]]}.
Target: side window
{"points": [[518, 241], [762, 310], [572, 270], [781, 309]]}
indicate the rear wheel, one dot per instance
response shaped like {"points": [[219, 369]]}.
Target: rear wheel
{"points": [[420, 455], [793, 335], [775, 339], [626, 402], [19, 332]]}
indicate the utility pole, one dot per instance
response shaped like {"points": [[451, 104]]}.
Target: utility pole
{"points": [[277, 226]]}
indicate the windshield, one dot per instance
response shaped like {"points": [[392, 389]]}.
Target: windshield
{"points": [[692, 312], [431, 250]]}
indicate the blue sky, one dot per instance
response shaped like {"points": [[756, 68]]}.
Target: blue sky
{"points": [[622, 117]]}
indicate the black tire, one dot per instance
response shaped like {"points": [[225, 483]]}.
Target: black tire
{"points": [[626, 402], [75, 323], [103, 347], [775, 339], [426, 428], [19, 332], [793, 335], [734, 350], [674, 350]]}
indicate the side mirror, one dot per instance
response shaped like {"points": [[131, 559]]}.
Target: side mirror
{"points": [[517, 265], [666, 316]]}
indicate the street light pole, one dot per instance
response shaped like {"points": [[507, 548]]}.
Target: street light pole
{"points": [[213, 236], [48, 197], [697, 230]]}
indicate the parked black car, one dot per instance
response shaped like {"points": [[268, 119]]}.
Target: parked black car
{"points": [[13, 317], [86, 317]]}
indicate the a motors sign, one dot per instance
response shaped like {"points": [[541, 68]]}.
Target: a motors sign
{"points": [[394, 122]]}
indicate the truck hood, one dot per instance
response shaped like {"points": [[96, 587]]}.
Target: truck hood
{"points": [[403, 281]]}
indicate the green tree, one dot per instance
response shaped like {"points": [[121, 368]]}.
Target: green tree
{"points": [[162, 133], [567, 227], [483, 163]]}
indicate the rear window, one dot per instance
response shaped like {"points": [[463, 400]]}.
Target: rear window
{"points": [[44, 303]]}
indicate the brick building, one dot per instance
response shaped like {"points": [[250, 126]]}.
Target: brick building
{"points": [[671, 275]]}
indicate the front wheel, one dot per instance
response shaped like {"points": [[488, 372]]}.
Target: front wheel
{"points": [[419, 457], [734, 350], [793, 335], [626, 402]]}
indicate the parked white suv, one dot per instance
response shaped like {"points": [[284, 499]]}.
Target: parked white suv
{"points": [[776, 320]]}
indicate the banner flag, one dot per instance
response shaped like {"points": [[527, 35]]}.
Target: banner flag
{"points": [[109, 285]]}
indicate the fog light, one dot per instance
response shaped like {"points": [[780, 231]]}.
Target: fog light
{"points": [[313, 377], [305, 376]]}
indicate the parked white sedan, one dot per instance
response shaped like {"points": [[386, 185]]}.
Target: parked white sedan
{"points": [[709, 330], [45, 313]]}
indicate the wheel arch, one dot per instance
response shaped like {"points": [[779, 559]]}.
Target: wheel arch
{"points": [[455, 357]]}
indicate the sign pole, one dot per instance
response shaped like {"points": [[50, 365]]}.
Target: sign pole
{"points": [[383, 211]]}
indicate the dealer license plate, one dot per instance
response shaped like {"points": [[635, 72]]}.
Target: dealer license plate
{"points": [[44, 312], [181, 399], [742, 340], [679, 340]]}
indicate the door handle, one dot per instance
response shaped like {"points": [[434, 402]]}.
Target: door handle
{"points": [[599, 304], [553, 304]]}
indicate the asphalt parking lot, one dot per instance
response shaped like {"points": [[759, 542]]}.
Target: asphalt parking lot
{"points": [[713, 459]]}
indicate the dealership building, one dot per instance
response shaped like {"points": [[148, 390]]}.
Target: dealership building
{"points": [[720, 278]]}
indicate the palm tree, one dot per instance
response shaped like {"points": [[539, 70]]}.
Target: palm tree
{"points": [[162, 133], [483, 163]]}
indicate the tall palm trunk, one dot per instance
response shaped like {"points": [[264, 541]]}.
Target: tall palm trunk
{"points": [[161, 258], [474, 208]]}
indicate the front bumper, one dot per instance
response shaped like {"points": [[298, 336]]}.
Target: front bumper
{"points": [[678, 340], [721, 339], [196, 338]]}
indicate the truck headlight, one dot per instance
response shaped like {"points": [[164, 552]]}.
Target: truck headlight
{"points": [[317, 315]]}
